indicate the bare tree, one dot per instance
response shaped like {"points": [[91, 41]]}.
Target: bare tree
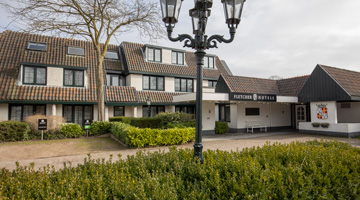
{"points": [[95, 20], [275, 77]]}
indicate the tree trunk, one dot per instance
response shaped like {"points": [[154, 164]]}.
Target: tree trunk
{"points": [[100, 89]]}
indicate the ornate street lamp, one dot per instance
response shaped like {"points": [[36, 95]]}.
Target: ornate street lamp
{"points": [[148, 102], [201, 42]]}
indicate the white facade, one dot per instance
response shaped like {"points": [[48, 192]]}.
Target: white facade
{"points": [[4, 112]]}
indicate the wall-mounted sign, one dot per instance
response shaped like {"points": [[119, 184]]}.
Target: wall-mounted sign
{"points": [[252, 97], [42, 124], [322, 112], [87, 124]]}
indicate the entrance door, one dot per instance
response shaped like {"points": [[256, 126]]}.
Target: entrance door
{"points": [[300, 111]]}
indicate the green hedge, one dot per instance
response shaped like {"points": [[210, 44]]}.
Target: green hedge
{"points": [[311, 170], [14, 131], [221, 127], [145, 122], [99, 128], [138, 137], [123, 119], [72, 130]]}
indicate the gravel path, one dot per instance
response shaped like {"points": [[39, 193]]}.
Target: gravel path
{"points": [[223, 142]]}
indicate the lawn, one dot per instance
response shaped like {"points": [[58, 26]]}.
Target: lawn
{"points": [[13, 151]]}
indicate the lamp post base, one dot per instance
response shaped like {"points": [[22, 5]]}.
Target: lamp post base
{"points": [[198, 152]]}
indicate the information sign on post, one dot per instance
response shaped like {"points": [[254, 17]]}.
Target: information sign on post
{"points": [[87, 126], [42, 125]]}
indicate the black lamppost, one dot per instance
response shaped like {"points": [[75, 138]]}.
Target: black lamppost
{"points": [[148, 102], [201, 42]]}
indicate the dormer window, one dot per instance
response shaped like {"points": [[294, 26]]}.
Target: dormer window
{"points": [[76, 51], [177, 58], [112, 55], [73, 78], [209, 62], [37, 46], [34, 75], [154, 54]]}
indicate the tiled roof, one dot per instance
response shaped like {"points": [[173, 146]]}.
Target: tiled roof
{"points": [[157, 97], [284, 87], [137, 63], [242, 84], [347, 79], [13, 51], [291, 86], [121, 94]]}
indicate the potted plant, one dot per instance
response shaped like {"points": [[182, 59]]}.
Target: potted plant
{"points": [[315, 124], [325, 125]]}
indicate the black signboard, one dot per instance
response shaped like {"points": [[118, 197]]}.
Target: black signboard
{"points": [[87, 124], [42, 124], [252, 97]]}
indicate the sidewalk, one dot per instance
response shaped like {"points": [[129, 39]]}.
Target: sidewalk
{"points": [[225, 142]]}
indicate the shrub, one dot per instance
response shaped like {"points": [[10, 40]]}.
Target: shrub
{"points": [[311, 170], [123, 119], [147, 122], [72, 130], [221, 127], [99, 128], [53, 122], [14, 131], [181, 125], [138, 137], [171, 117]]}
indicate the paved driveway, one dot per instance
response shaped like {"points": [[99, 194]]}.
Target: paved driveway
{"points": [[222, 142]]}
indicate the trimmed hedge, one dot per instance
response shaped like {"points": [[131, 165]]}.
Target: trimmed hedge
{"points": [[100, 128], [123, 119], [138, 137], [221, 127], [14, 131], [72, 130], [311, 170], [145, 122]]}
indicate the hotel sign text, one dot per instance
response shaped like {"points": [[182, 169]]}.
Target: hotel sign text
{"points": [[252, 97]]}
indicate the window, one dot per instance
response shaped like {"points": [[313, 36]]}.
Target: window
{"points": [[77, 51], [154, 110], [209, 62], [252, 111], [19, 112], [212, 83], [153, 83], [119, 111], [37, 46], [224, 112], [77, 114], [34, 75], [112, 55], [185, 109], [184, 85], [73, 77], [154, 55], [177, 58], [115, 80]]}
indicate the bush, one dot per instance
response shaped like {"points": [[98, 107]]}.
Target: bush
{"points": [[72, 130], [14, 131], [181, 125], [221, 127], [147, 122], [53, 122], [99, 128], [173, 117], [311, 170], [123, 119], [138, 137]]}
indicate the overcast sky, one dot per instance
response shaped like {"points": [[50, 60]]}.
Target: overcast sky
{"points": [[286, 38]]}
